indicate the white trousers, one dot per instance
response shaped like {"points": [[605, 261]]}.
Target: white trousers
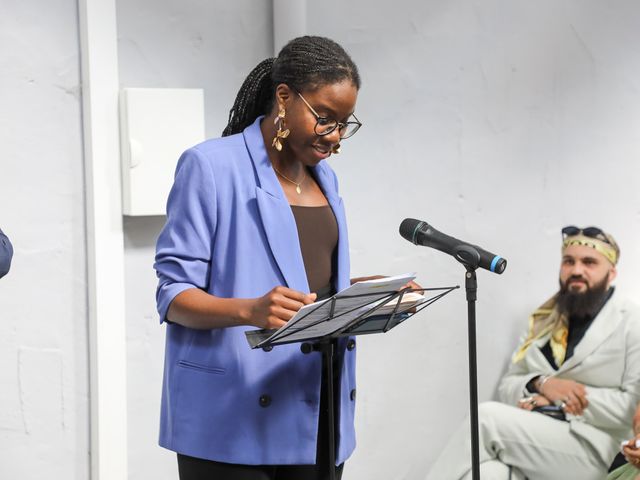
{"points": [[534, 445]]}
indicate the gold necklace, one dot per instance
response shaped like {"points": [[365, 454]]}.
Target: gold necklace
{"points": [[297, 184]]}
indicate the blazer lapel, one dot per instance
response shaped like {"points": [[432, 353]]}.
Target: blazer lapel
{"points": [[602, 327], [275, 212]]}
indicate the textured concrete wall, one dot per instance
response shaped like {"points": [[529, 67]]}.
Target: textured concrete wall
{"points": [[498, 122], [44, 416]]}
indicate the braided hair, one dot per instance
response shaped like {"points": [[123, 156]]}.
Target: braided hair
{"points": [[304, 63]]}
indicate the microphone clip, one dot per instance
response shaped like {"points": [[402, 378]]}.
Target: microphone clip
{"points": [[467, 256]]}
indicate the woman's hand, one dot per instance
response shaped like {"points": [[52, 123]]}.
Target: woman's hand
{"points": [[364, 279], [572, 396], [529, 403], [276, 307], [410, 284]]}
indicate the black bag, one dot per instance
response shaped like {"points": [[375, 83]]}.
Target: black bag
{"points": [[553, 411]]}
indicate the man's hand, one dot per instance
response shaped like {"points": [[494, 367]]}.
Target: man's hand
{"points": [[276, 307], [632, 452], [529, 403], [572, 396]]}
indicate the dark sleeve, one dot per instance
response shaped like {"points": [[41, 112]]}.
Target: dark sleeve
{"points": [[6, 253]]}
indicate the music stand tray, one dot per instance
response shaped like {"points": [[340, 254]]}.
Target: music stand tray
{"points": [[374, 306]]}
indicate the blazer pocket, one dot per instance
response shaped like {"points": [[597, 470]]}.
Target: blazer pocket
{"points": [[201, 368]]}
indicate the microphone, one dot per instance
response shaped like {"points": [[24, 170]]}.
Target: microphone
{"points": [[421, 233]]}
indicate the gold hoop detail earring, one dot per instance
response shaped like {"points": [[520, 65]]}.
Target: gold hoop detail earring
{"points": [[280, 133]]}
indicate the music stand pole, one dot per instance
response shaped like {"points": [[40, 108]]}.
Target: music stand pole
{"points": [[326, 346]]}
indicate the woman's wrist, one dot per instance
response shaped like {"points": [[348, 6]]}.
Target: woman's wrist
{"points": [[243, 312]]}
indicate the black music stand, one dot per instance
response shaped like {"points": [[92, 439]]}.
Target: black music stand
{"points": [[327, 321]]}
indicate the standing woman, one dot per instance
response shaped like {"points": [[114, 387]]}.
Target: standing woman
{"points": [[255, 229]]}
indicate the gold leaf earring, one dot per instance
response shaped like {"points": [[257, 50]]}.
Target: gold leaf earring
{"points": [[336, 149], [280, 133]]}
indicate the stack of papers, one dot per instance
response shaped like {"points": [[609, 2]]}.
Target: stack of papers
{"points": [[340, 311], [409, 300]]}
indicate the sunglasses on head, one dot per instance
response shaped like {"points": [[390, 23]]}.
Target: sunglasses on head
{"points": [[591, 232]]}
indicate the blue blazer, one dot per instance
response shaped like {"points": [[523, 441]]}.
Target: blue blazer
{"points": [[6, 253], [230, 231]]}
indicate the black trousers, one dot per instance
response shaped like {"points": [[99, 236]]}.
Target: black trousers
{"points": [[191, 468]]}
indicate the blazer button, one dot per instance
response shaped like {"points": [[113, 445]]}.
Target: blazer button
{"points": [[268, 348], [265, 400], [351, 344], [306, 348], [353, 394]]}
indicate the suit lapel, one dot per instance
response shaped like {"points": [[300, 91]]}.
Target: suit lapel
{"points": [[602, 327], [536, 358], [275, 212]]}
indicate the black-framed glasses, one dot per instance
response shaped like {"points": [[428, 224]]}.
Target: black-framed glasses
{"points": [[591, 232], [324, 126]]}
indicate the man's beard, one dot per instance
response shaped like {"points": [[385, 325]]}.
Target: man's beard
{"points": [[581, 304]]}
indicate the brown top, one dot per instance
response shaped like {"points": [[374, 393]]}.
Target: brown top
{"points": [[318, 234]]}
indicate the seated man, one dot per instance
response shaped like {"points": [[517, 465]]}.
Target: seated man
{"points": [[582, 354], [6, 253]]}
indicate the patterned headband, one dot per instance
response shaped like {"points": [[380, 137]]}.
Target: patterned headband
{"points": [[607, 248]]}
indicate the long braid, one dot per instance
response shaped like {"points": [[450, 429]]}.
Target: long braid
{"points": [[304, 63], [253, 99]]}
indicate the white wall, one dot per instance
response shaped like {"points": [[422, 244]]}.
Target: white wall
{"points": [[497, 121], [44, 416]]}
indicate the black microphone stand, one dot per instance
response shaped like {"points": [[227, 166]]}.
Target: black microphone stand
{"points": [[470, 258]]}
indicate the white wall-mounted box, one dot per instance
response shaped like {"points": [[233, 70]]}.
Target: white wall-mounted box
{"points": [[156, 126]]}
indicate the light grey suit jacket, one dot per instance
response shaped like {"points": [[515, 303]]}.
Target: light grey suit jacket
{"points": [[607, 362]]}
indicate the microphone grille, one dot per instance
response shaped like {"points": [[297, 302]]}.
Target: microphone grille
{"points": [[409, 227]]}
